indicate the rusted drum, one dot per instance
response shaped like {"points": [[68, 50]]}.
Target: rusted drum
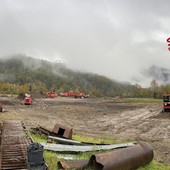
{"points": [[123, 159]]}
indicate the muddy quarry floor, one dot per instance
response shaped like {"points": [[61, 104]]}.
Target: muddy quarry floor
{"points": [[98, 117]]}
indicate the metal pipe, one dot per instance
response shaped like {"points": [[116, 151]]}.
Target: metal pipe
{"points": [[123, 159]]}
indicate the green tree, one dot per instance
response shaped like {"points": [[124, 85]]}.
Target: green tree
{"points": [[155, 88]]}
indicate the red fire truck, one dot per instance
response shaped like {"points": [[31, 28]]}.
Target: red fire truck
{"points": [[75, 95], [27, 99], [51, 95], [166, 102]]}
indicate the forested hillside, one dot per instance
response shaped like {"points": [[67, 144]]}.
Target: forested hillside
{"points": [[26, 74]]}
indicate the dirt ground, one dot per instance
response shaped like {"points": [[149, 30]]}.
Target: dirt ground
{"points": [[100, 117]]}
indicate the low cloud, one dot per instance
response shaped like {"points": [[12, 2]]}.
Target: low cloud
{"points": [[118, 39]]}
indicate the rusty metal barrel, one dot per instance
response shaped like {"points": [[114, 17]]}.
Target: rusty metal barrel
{"points": [[123, 159]]}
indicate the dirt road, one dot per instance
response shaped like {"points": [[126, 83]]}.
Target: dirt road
{"points": [[119, 119]]}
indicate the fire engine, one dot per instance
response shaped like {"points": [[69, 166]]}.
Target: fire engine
{"points": [[75, 95], [166, 102], [27, 100], [51, 94]]}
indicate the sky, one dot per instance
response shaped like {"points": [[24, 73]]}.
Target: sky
{"points": [[115, 38]]}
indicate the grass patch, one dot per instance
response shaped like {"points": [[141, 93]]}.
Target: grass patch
{"points": [[91, 139], [143, 100], [51, 159], [138, 101], [39, 138]]}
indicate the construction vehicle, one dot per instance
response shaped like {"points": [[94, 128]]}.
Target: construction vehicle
{"points": [[75, 95], [81, 95], [27, 99], [65, 94], [51, 95], [166, 102]]}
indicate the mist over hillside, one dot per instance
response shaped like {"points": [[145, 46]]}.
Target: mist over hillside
{"points": [[9, 65], [161, 75], [42, 76], [45, 75]]}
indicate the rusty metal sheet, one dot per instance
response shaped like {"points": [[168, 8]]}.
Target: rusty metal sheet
{"points": [[43, 130], [13, 145], [59, 130], [64, 141], [81, 148], [71, 141]]}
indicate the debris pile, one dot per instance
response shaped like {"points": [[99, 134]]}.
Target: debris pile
{"points": [[59, 130], [121, 159], [126, 156], [15, 143]]}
